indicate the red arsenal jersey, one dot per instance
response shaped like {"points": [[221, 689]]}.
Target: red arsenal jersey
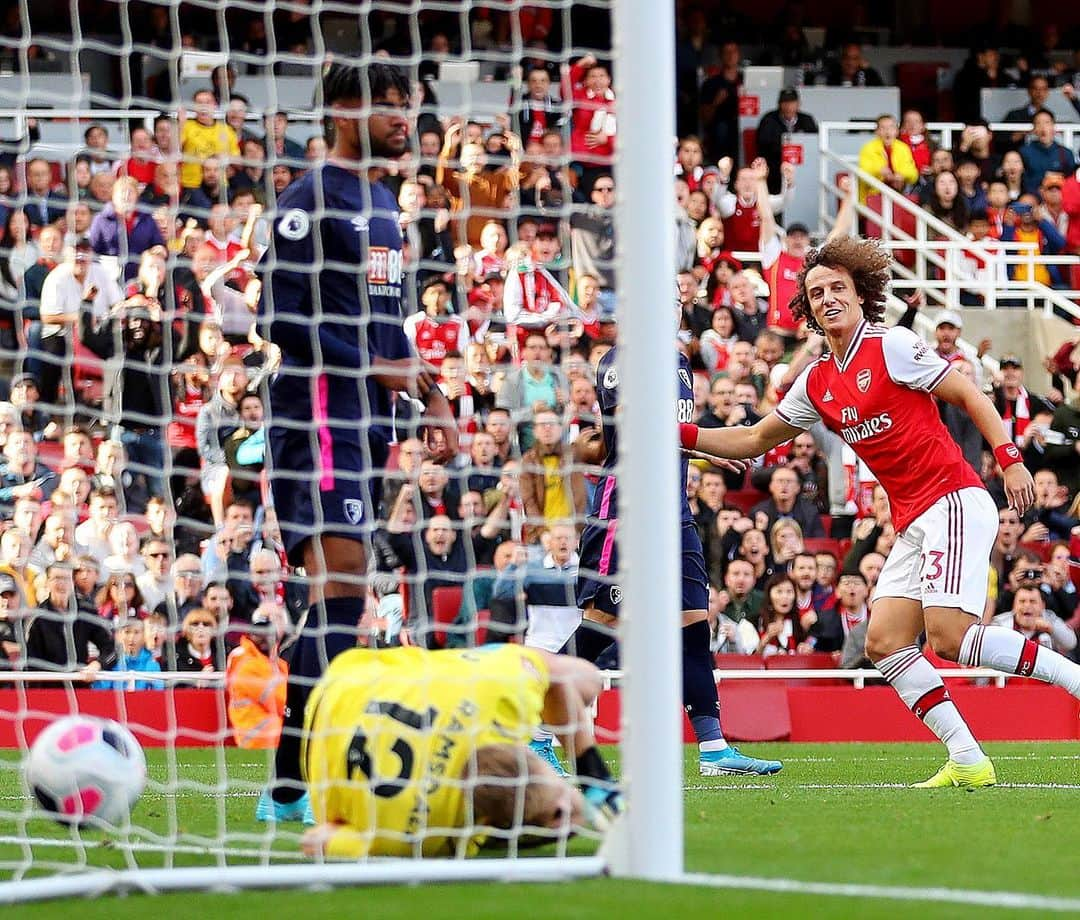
{"points": [[433, 340], [742, 231], [781, 276], [877, 398]]}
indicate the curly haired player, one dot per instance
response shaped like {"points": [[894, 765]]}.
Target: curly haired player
{"points": [[873, 388]]}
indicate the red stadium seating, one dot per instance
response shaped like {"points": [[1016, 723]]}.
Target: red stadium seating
{"points": [[1042, 550], [822, 545], [817, 661], [826, 523], [739, 662], [918, 82], [745, 498], [749, 144], [51, 453], [943, 664], [901, 221], [445, 604]]}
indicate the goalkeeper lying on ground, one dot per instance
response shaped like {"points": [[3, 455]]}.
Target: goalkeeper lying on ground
{"points": [[408, 752]]}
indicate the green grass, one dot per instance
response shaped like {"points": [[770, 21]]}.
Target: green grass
{"points": [[834, 815]]}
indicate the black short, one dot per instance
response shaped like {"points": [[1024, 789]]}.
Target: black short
{"points": [[599, 564], [324, 482]]}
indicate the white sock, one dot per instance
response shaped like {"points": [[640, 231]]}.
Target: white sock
{"points": [[914, 678], [1007, 650], [718, 745], [541, 736]]}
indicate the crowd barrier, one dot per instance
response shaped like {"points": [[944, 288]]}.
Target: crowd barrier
{"points": [[813, 705]]}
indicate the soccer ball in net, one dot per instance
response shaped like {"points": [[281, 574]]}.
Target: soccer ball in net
{"points": [[86, 771]]}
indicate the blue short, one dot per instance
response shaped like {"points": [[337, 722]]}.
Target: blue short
{"points": [[325, 481], [599, 564]]}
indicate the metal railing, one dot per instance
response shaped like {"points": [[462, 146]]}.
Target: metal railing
{"points": [[938, 246], [857, 676]]}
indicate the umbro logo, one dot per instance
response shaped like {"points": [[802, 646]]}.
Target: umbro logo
{"points": [[360, 224], [827, 397]]}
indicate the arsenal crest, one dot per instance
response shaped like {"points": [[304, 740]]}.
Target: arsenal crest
{"points": [[862, 380]]}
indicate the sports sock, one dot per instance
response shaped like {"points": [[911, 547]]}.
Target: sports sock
{"points": [[589, 641], [323, 638], [914, 678], [1006, 650], [540, 736], [590, 764], [699, 687]]}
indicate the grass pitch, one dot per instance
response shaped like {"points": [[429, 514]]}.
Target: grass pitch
{"points": [[839, 813]]}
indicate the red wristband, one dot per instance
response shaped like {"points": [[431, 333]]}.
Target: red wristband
{"points": [[1007, 454], [688, 435]]}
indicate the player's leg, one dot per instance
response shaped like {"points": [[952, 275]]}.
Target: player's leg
{"points": [[549, 630], [597, 596], [700, 698], [325, 510], [337, 602], [574, 685], [961, 589], [896, 621]]}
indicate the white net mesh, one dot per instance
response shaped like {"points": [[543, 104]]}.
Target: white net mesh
{"points": [[188, 465]]}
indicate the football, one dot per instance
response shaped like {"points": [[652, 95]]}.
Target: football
{"points": [[86, 771]]}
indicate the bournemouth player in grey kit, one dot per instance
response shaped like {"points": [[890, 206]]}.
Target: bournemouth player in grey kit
{"points": [[332, 302]]}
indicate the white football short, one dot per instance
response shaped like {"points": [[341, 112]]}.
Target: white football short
{"points": [[942, 559]]}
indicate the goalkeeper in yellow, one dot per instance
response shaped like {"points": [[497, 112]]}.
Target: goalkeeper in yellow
{"points": [[408, 752]]}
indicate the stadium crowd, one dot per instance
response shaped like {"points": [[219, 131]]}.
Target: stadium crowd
{"points": [[137, 536]]}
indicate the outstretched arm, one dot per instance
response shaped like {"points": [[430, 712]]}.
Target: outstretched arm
{"points": [[956, 389], [740, 442]]}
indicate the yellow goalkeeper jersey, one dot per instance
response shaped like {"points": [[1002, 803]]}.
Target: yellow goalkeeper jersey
{"points": [[388, 734]]}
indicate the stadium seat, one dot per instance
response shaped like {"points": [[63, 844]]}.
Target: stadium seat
{"points": [[816, 661], [822, 545], [51, 453], [483, 617], [902, 221], [749, 144], [739, 662], [445, 606], [1042, 550], [918, 82], [826, 523], [943, 664], [745, 499]]}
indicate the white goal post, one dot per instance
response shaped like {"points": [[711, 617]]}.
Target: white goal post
{"points": [[646, 842]]}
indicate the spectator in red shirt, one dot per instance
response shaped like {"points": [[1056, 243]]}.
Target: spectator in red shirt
{"points": [[587, 83], [435, 331], [913, 133], [142, 163], [1070, 205], [538, 109]]}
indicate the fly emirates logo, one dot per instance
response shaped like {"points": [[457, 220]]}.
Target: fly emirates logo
{"points": [[852, 430]]}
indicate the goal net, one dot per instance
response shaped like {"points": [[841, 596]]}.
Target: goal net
{"points": [[288, 374]]}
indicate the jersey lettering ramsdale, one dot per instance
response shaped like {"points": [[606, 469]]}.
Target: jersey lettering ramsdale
{"points": [[877, 398], [388, 734]]}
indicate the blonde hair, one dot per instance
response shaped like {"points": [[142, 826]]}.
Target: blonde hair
{"points": [[197, 612], [511, 786], [781, 524]]}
